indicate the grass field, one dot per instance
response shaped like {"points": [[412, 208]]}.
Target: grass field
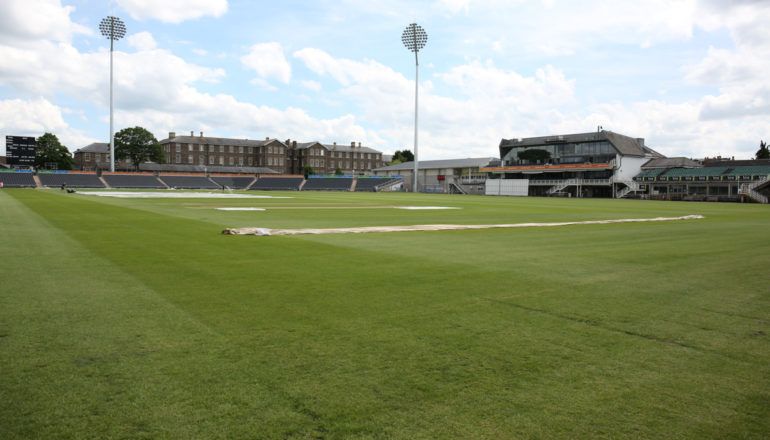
{"points": [[136, 318]]}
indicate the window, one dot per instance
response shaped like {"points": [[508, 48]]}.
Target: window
{"points": [[190, 158], [212, 160], [250, 162], [221, 148], [240, 150], [221, 160], [270, 150], [232, 149], [178, 158], [178, 148], [201, 159], [87, 156], [240, 161], [232, 161]]}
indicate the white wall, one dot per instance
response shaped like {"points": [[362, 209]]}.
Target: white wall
{"points": [[629, 167], [506, 187]]}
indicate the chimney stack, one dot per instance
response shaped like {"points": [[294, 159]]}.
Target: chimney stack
{"points": [[192, 133], [201, 134], [267, 138], [352, 145], [171, 135], [359, 145]]}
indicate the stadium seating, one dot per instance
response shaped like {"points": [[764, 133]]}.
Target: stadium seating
{"points": [[328, 184], [368, 184], [132, 181], [189, 182], [277, 183], [234, 182], [694, 172], [759, 170], [17, 180], [71, 180]]}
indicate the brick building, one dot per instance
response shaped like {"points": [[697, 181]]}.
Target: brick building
{"points": [[95, 156]]}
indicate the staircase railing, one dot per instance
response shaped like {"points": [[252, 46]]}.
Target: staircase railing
{"points": [[749, 189]]}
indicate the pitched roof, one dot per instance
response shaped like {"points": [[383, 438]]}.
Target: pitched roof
{"points": [[671, 162], [345, 148], [220, 141], [625, 145], [445, 163], [96, 147]]}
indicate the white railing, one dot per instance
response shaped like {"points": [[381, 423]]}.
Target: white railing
{"points": [[748, 189]]}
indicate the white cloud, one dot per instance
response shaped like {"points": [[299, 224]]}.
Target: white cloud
{"points": [[311, 85], [200, 52], [34, 117], [173, 11], [268, 61], [22, 21], [142, 41]]}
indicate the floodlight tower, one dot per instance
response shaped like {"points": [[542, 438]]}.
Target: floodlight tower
{"points": [[415, 38], [114, 29]]}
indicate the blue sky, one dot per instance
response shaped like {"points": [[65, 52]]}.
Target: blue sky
{"points": [[689, 76]]}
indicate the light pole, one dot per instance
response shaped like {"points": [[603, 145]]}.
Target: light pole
{"points": [[414, 38], [114, 29]]}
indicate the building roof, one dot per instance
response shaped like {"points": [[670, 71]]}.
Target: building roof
{"points": [[148, 166], [206, 140], [435, 164], [625, 145], [719, 162], [671, 162], [336, 147], [96, 147], [345, 148]]}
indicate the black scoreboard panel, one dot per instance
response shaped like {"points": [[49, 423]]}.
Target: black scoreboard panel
{"points": [[20, 150]]}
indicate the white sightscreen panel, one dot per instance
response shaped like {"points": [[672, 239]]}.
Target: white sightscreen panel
{"points": [[507, 187]]}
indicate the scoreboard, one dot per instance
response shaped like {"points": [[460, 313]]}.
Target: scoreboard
{"points": [[20, 150]]}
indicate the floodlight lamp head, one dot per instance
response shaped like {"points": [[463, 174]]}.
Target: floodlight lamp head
{"points": [[414, 37], [113, 28]]}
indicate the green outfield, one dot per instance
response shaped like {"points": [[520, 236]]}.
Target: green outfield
{"points": [[137, 318]]}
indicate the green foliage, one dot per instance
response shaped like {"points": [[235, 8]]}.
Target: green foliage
{"points": [[763, 152], [50, 150], [338, 172], [402, 156], [307, 171], [165, 328], [138, 145], [534, 155]]}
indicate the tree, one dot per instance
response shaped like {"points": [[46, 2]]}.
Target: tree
{"points": [[308, 171], [338, 171], [763, 152], [51, 151], [138, 145], [534, 155], [402, 156]]}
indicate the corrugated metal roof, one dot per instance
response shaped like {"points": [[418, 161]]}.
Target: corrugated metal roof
{"points": [[434, 164], [671, 162]]}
